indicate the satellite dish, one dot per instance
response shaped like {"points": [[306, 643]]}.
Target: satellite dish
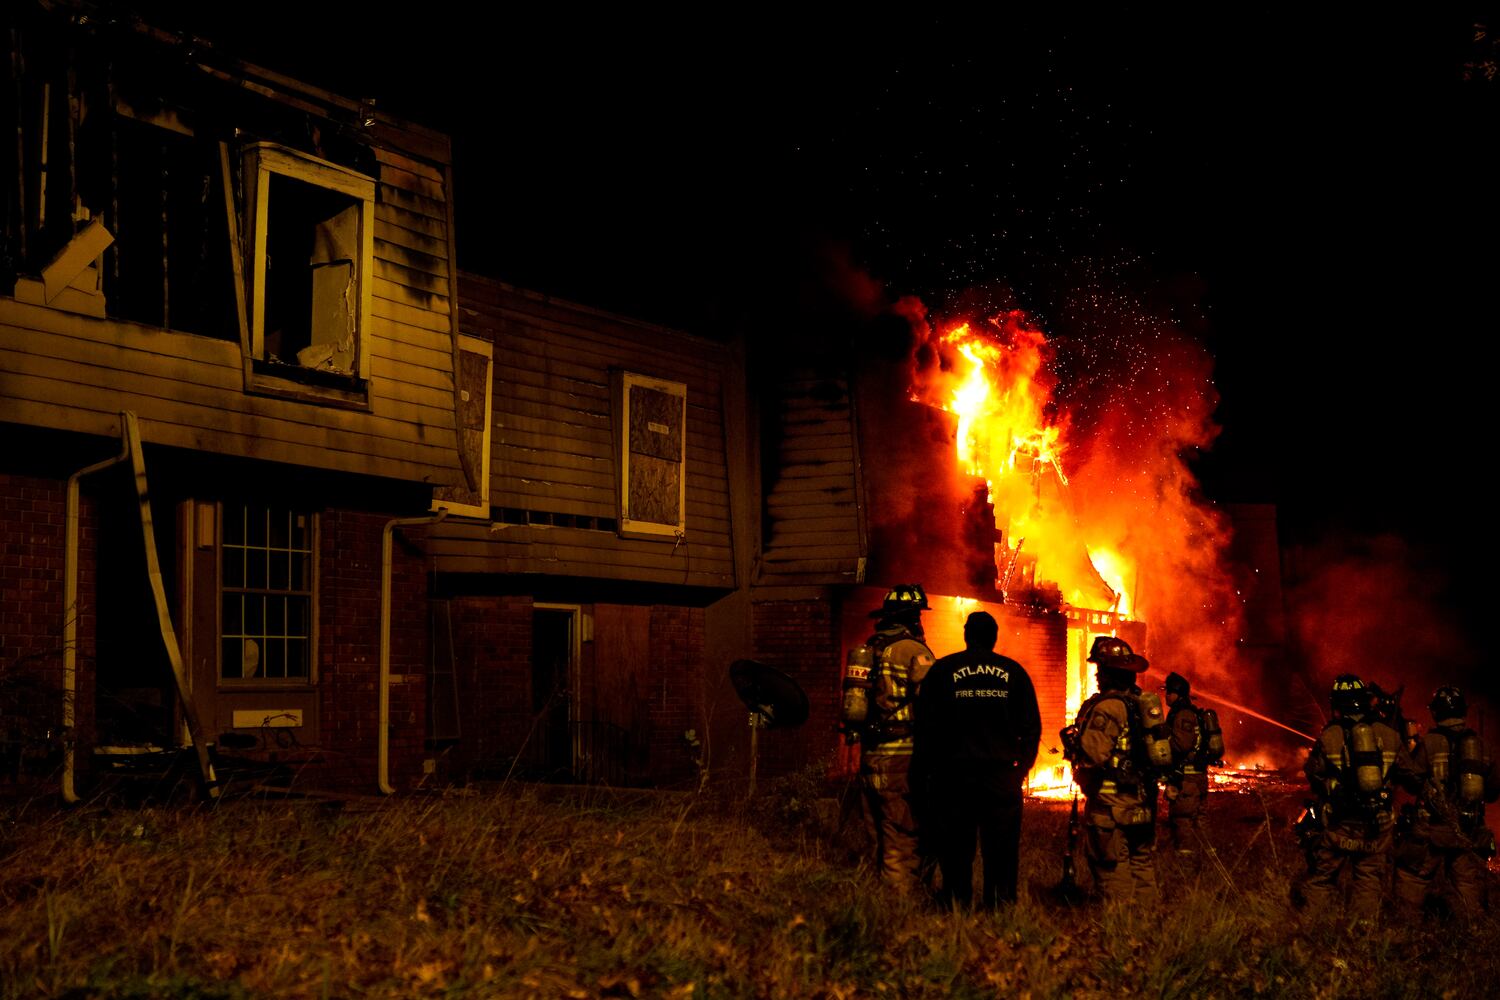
{"points": [[770, 693], [774, 699]]}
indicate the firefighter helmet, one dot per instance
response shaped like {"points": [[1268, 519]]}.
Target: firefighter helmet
{"points": [[1177, 684], [1349, 695], [1448, 703], [903, 598], [1116, 654]]}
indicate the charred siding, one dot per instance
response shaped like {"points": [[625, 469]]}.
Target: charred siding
{"points": [[813, 517], [65, 367]]}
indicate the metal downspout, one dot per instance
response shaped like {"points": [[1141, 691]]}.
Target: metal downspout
{"points": [[383, 682], [70, 607]]}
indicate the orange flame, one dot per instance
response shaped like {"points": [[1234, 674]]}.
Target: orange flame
{"points": [[1008, 434]]}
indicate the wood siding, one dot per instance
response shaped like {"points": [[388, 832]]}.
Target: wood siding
{"points": [[553, 443], [70, 372], [815, 531]]}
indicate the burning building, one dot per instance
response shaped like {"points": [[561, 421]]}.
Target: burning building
{"points": [[968, 467], [263, 273]]}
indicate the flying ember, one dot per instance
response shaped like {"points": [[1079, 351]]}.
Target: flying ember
{"points": [[1096, 514]]}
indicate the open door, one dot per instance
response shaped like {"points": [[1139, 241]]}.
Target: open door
{"points": [[552, 752]]}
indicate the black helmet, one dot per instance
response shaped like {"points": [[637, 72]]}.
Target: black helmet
{"points": [[1448, 703], [1349, 695], [903, 598], [1177, 684], [1116, 654]]}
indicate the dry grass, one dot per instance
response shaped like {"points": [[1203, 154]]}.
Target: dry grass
{"points": [[506, 894]]}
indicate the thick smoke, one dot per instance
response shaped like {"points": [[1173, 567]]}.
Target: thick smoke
{"points": [[1374, 607]]}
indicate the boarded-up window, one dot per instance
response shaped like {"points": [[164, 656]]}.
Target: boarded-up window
{"points": [[475, 366], [653, 456]]}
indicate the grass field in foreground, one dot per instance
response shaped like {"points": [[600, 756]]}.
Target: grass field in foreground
{"points": [[519, 892]]}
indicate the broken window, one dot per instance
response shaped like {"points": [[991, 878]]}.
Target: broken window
{"points": [[266, 593], [310, 241], [169, 265]]}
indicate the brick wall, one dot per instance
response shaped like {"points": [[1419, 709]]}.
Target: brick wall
{"points": [[31, 600], [349, 651], [676, 691], [800, 638]]}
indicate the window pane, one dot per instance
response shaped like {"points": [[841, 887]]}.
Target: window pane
{"points": [[296, 617], [280, 528], [234, 615], [275, 615], [255, 569], [299, 572], [234, 524], [234, 567], [255, 615], [229, 665], [279, 578], [296, 658], [275, 658], [255, 526], [300, 537]]}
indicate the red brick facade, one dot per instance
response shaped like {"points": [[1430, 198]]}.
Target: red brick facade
{"points": [[31, 597], [800, 638], [676, 692], [349, 651]]}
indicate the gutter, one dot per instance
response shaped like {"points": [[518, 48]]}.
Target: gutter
{"points": [[130, 432], [383, 683], [70, 608]]}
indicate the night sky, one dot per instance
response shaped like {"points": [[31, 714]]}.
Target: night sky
{"points": [[1313, 197]]}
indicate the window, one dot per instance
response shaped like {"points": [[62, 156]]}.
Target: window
{"points": [[476, 362], [169, 265], [266, 593], [310, 241], [652, 440]]}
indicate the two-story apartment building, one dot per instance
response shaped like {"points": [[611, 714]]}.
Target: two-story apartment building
{"points": [[243, 287]]}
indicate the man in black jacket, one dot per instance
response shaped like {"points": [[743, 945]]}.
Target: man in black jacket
{"points": [[977, 733]]}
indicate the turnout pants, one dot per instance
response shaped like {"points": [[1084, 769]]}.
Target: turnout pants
{"points": [[1463, 867], [1122, 858], [886, 783], [1185, 812], [983, 800], [1368, 860]]}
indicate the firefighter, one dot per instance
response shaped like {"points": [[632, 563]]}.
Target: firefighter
{"points": [[1197, 744], [1112, 752], [1351, 769], [1447, 831], [978, 727], [900, 661]]}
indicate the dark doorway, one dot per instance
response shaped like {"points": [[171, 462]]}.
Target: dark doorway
{"points": [[135, 702], [553, 648]]}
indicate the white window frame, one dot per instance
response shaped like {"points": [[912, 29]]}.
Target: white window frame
{"points": [[223, 683], [474, 345], [260, 160], [631, 527]]}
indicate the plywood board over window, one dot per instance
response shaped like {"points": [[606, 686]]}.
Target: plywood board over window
{"points": [[475, 405], [651, 422]]}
